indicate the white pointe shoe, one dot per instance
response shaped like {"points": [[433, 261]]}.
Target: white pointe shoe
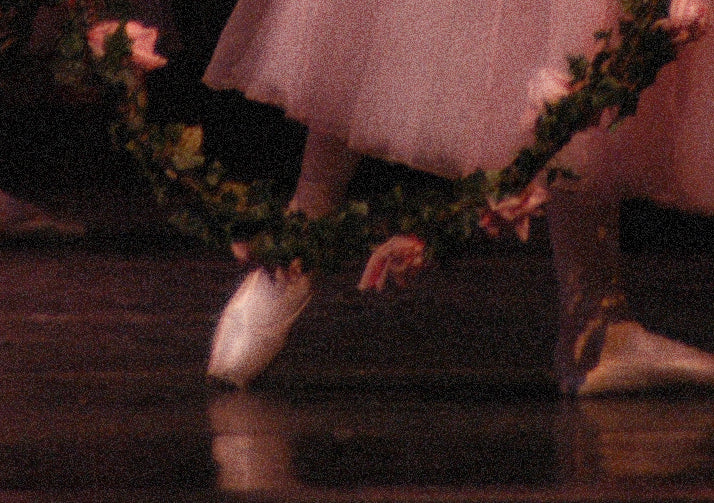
{"points": [[633, 359], [255, 324]]}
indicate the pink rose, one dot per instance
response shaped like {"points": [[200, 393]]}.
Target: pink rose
{"points": [[515, 212], [143, 42], [98, 33], [688, 20], [397, 259], [549, 86]]}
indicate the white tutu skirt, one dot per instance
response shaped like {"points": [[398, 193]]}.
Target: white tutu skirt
{"points": [[443, 86]]}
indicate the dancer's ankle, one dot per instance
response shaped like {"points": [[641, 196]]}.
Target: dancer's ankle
{"points": [[327, 167], [314, 201]]}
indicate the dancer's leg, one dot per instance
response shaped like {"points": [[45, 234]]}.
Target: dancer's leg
{"points": [[327, 167], [257, 320], [584, 237], [600, 348]]}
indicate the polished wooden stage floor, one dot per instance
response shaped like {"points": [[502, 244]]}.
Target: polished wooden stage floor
{"points": [[441, 392]]}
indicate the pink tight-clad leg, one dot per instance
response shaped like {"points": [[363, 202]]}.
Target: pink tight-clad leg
{"points": [[327, 167], [326, 170], [256, 321]]}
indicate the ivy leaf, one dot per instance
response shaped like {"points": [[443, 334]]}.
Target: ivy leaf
{"points": [[578, 67], [563, 173], [187, 153], [605, 35], [118, 48]]}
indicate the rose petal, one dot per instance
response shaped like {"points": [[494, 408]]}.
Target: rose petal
{"points": [[143, 41], [397, 259], [548, 86], [97, 35], [143, 46], [241, 251], [514, 212], [688, 20], [523, 228]]}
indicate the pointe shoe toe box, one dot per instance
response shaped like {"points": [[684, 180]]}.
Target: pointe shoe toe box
{"points": [[642, 360], [254, 326]]}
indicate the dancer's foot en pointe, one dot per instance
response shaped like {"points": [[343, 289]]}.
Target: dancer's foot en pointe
{"points": [[600, 348], [258, 318], [255, 324]]}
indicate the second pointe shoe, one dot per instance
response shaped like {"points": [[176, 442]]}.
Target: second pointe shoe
{"points": [[255, 324], [633, 359]]}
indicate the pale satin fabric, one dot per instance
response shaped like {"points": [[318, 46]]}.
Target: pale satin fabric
{"points": [[442, 85]]}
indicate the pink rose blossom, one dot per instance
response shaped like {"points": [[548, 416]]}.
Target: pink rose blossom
{"points": [[549, 86], [397, 259], [143, 42], [688, 20], [515, 212]]}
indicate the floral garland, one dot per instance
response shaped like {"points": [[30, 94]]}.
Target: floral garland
{"points": [[222, 211]]}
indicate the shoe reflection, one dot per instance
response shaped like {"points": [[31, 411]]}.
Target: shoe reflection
{"points": [[263, 445], [249, 444], [272, 445], [651, 438]]}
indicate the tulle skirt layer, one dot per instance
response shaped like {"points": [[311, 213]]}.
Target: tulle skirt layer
{"points": [[443, 86], [665, 152]]}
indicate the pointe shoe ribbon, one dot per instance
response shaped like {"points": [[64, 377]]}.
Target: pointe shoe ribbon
{"points": [[255, 324]]}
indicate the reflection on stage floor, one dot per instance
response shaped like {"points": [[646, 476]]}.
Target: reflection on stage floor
{"points": [[404, 397], [628, 448]]}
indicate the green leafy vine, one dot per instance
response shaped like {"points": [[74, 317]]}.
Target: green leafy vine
{"points": [[207, 202]]}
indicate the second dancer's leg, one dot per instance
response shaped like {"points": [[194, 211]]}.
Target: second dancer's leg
{"points": [[601, 348], [327, 167]]}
